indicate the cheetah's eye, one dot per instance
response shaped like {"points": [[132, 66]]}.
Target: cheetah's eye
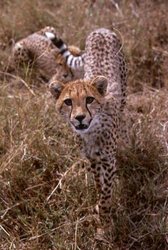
{"points": [[68, 102], [89, 99]]}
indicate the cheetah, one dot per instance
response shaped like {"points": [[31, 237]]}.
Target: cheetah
{"points": [[93, 107], [98, 66], [38, 50]]}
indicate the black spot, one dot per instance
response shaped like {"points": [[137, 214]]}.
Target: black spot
{"points": [[93, 165], [98, 153]]}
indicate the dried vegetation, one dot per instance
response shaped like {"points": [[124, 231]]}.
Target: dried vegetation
{"points": [[45, 195]]}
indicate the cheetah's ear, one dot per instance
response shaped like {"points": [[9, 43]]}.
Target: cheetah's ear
{"points": [[56, 89], [100, 83]]}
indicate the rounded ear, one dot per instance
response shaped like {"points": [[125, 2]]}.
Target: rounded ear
{"points": [[49, 35], [100, 83], [56, 89]]}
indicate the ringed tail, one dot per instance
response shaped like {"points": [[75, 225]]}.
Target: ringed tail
{"points": [[74, 62]]}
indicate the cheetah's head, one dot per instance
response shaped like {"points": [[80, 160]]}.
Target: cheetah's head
{"points": [[80, 101]]}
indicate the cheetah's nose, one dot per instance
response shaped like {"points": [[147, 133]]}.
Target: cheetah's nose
{"points": [[65, 75], [80, 118]]}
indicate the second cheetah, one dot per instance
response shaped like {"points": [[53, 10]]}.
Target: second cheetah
{"points": [[38, 50]]}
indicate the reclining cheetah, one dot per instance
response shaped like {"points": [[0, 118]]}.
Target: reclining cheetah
{"points": [[37, 49], [92, 107]]}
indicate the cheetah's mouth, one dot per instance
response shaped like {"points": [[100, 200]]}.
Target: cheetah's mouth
{"points": [[81, 127]]}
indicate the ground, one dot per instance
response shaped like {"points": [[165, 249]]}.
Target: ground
{"points": [[46, 196]]}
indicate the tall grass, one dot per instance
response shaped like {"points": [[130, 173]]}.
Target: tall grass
{"points": [[46, 196]]}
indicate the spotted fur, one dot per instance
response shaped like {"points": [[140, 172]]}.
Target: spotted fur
{"points": [[92, 107], [38, 50], [108, 48]]}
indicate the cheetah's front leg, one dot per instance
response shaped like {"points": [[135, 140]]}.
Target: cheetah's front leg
{"points": [[108, 174]]}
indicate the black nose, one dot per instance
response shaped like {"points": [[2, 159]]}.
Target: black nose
{"points": [[80, 118], [65, 75]]}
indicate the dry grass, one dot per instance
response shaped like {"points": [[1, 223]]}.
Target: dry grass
{"points": [[39, 154]]}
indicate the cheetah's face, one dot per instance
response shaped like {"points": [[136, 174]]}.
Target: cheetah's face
{"points": [[63, 72], [80, 101]]}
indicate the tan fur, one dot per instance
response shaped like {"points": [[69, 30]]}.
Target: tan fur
{"points": [[97, 120], [97, 124], [78, 92], [38, 50]]}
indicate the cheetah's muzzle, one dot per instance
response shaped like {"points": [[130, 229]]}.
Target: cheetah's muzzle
{"points": [[81, 126]]}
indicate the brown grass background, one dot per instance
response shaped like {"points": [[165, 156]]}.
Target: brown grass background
{"points": [[39, 154]]}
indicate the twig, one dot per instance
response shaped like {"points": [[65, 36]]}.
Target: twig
{"points": [[62, 177], [3, 229], [164, 52], [10, 158], [117, 7], [76, 230], [8, 209], [56, 228], [16, 77]]}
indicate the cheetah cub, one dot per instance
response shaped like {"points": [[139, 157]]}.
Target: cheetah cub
{"points": [[93, 107], [37, 50]]}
